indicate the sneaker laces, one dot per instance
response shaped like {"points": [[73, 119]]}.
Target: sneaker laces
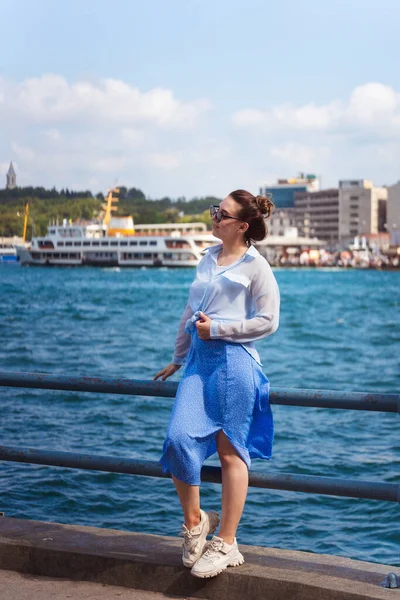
{"points": [[188, 541], [186, 533], [213, 546]]}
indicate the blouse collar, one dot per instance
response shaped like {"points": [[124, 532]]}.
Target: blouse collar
{"points": [[213, 251]]}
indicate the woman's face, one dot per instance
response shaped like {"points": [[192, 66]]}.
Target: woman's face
{"points": [[229, 229]]}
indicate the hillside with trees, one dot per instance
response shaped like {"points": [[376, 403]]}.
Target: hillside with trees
{"points": [[49, 206]]}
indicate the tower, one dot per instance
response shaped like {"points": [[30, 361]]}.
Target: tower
{"points": [[11, 178]]}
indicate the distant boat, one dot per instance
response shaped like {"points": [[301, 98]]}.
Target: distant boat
{"points": [[8, 254], [116, 242]]}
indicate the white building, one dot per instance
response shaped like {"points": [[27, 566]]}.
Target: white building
{"points": [[393, 213], [283, 194], [362, 208], [317, 214], [280, 220]]}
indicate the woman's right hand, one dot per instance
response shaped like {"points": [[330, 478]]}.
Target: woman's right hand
{"points": [[167, 371]]}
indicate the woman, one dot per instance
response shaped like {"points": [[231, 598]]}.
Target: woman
{"points": [[222, 403]]}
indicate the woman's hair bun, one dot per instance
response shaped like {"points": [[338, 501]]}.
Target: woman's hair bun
{"points": [[265, 205], [255, 210]]}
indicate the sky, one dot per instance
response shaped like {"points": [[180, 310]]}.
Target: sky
{"points": [[193, 98]]}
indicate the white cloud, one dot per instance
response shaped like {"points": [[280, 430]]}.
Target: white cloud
{"points": [[25, 153], [286, 116], [53, 135], [212, 151], [165, 160], [4, 166], [109, 164], [51, 99], [133, 137], [300, 156], [343, 138], [94, 133], [372, 105]]}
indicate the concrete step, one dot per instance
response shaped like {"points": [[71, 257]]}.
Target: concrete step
{"points": [[22, 586], [153, 563]]}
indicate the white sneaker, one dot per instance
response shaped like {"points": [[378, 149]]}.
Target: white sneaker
{"points": [[218, 556], [196, 537]]}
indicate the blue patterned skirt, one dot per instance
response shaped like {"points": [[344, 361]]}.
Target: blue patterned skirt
{"points": [[223, 388]]}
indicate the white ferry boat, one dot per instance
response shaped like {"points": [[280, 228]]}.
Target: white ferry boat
{"points": [[74, 245], [116, 242]]}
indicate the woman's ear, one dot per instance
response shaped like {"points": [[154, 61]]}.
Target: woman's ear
{"points": [[244, 227]]}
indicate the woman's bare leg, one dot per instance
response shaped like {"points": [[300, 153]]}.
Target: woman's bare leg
{"points": [[235, 481], [189, 497]]}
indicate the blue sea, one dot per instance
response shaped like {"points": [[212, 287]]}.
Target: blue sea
{"points": [[340, 330]]}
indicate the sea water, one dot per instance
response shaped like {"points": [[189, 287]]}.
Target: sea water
{"points": [[340, 330]]}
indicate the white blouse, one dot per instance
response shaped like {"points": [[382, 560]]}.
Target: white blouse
{"points": [[241, 299]]}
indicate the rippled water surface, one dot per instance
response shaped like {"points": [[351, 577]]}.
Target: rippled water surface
{"points": [[339, 330]]}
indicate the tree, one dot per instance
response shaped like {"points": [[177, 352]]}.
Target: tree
{"points": [[122, 192], [47, 205], [171, 215], [135, 193]]}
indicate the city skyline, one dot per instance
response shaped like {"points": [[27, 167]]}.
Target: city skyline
{"points": [[196, 99]]}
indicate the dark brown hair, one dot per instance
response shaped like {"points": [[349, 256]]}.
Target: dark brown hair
{"points": [[255, 210]]}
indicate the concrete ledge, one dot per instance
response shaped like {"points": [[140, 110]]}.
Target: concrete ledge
{"points": [[153, 563]]}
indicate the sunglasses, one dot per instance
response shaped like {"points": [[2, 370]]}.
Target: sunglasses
{"points": [[215, 212]]}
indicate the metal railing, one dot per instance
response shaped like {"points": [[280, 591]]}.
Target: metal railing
{"points": [[370, 401], [280, 481]]}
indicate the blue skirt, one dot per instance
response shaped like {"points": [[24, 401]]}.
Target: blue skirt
{"points": [[224, 389]]}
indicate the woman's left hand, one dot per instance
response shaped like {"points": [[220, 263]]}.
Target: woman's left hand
{"points": [[203, 327]]}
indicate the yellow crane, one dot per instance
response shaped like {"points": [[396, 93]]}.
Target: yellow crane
{"points": [[109, 207]]}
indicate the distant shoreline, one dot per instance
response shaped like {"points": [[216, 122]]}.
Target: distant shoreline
{"points": [[331, 268]]}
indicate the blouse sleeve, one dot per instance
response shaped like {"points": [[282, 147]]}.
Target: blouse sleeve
{"points": [[265, 293], [182, 342]]}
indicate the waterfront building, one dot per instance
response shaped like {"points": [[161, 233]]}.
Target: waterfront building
{"points": [[317, 214], [280, 220], [283, 192], [393, 213], [11, 178], [362, 208], [283, 196], [278, 248]]}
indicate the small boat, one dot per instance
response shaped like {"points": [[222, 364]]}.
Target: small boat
{"points": [[8, 254]]}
